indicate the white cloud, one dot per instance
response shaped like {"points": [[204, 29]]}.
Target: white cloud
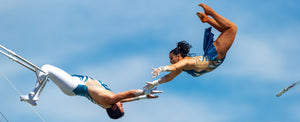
{"points": [[175, 108], [258, 57], [169, 107], [122, 72]]}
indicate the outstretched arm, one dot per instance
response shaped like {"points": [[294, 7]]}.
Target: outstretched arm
{"points": [[124, 95], [166, 78], [149, 96], [173, 67], [169, 76], [133, 95]]}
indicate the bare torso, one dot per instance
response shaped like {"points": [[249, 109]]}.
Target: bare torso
{"points": [[197, 63], [99, 94]]}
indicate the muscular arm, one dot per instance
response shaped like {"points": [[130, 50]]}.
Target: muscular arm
{"points": [[169, 76], [179, 65], [175, 69], [124, 95], [150, 96], [106, 97], [166, 78]]}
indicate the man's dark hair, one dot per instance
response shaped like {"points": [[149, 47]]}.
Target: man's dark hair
{"points": [[114, 113]]}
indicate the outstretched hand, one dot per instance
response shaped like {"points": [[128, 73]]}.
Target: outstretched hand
{"points": [[151, 96], [150, 85], [155, 72], [152, 91]]}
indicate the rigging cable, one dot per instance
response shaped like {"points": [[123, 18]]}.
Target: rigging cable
{"points": [[12, 85]]}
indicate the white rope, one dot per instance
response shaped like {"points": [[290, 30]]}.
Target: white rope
{"points": [[4, 117], [12, 85]]}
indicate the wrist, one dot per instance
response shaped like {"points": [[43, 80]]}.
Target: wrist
{"points": [[156, 82], [139, 92], [164, 68], [142, 97]]}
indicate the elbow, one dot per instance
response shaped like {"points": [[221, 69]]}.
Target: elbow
{"points": [[167, 78], [174, 68], [112, 99], [171, 78], [234, 28]]}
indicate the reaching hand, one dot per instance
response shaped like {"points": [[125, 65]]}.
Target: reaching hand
{"points": [[152, 91], [151, 85], [155, 72], [151, 96]]}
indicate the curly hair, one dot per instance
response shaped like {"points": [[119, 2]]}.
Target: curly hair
{"points": [[183, 48]]}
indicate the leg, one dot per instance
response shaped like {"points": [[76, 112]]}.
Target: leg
{"points": [[228, 31], [40, 84], [206, 19], [62, 79], [225, 23], [33, 96]]}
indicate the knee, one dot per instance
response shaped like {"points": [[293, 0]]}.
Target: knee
{"points": [[47, 68], [234, 27], [231, 29], [69, 93]]}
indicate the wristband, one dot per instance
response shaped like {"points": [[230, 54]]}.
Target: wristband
{"points": [[139, 92], [164, 68], [142, 97], [156, 83]]}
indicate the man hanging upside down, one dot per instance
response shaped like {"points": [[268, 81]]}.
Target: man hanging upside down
{"points": [[94, 90]]}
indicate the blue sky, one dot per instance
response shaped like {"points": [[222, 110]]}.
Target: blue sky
{"points": [[119, 41]]}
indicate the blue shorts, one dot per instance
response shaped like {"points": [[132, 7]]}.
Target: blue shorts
{"points": [[82, 90], [210, 52], [208, 47]]}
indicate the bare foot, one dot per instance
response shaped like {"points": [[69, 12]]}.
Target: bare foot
{"points": [[203, 17], [207, 9]]}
